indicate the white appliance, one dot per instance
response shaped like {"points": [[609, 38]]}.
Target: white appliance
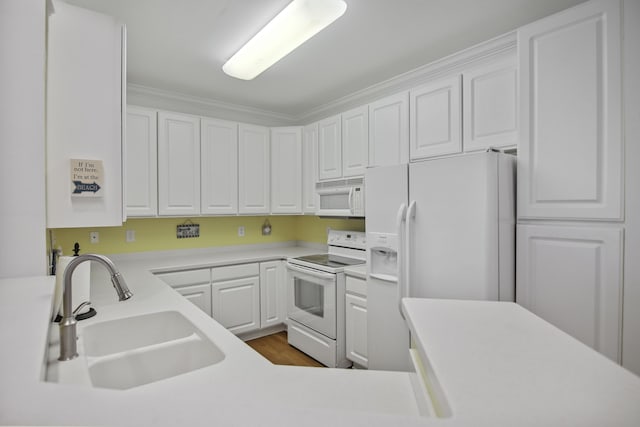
{"points": [[343, 197], [440, 228], [316, 298]]}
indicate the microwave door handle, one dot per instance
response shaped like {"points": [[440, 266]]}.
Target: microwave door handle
{"points": [[314, 273], [351, 200]]}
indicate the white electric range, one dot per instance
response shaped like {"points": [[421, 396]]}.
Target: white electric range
{"points": [[316, 298]]}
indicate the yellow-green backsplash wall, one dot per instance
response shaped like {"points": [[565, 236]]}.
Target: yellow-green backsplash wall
{"points": [[159, 234]]}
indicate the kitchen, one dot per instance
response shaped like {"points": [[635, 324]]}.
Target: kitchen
{"points": [[307, 228]]}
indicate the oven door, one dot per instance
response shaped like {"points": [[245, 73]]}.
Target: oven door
{"points": [[312, 299]]}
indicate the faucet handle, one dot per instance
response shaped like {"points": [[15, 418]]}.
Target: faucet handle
{"points": [[84, 304]]}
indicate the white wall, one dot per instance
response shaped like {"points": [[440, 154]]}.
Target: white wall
{"points": [[631, 303], [22, 138]]}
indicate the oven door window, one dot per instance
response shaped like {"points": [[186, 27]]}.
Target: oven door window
{"points": [[312, 299], [309, 297]]}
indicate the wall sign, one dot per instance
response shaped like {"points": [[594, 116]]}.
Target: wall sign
{"points": [[86, 178]]}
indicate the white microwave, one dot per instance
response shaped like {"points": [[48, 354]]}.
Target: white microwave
{"points": [[343, 198]]}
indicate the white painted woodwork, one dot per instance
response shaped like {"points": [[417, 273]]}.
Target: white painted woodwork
{"points": [[178, 164], [219, 167], [631, 85], [85, 111], [199, 295], [141, 166], [435, 123], [330, 148], [253, 169], [286, 170], [389, 130], [570, 155], [195, 285], [235, 303], [22, 132], [273, 299], [356, 327], [309, 168], [490, 106], [355, 141], [572, 277]]}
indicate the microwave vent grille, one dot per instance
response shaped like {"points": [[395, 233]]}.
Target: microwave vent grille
{"points": [[349, 182]]}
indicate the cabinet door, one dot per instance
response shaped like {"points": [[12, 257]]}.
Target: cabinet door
{"points": [[219, 164], [236, 304], [286, 170], [309, 168], [200, 295], [253, 169], [178, 164], [570, 155], [571, 277], [490, 106], [330, 148], [435, 126], [356, 324], [355, 141], [389, 131], [141, 166], [272, 293], [85, 108]]}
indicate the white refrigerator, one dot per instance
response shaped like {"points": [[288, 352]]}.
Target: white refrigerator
{"points": [[439, 228]]}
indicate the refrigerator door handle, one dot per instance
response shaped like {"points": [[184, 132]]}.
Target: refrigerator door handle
{"points": [[400, 219], [411, 214]]}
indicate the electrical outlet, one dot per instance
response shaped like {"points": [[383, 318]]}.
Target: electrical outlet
{"points": [[241, 231], [131, 235], [94, 237]]}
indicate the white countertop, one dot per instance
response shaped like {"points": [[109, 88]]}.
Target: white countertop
{"points": [[477, 356], [497, 361]]}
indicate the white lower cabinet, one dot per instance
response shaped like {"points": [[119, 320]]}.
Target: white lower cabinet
{"points": [[273, 308], [571, 276], [356, 321], [195, 285], [235, 297]]}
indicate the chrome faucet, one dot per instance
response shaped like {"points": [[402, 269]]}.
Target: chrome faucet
{"points": [[68, 347]]}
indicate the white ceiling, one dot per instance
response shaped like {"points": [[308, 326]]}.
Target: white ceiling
{"points": [[180, 45]]}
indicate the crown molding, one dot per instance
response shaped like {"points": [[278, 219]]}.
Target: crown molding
{"points": [[504, 45], [138, 94]]}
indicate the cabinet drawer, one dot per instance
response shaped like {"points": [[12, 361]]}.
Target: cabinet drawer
{"points": [[356, 285], [235, 271], [185, 278]]}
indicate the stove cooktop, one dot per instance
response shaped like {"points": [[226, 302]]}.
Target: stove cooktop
{"points": [[330, 260]]}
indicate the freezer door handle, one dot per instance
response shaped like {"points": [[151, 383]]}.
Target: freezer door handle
{"points": [[403, 288], [400, 219]]}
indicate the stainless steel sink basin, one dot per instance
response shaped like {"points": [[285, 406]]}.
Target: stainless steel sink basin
{"points": [[130, 352]]}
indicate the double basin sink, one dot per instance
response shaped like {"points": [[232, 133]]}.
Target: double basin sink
{"points": [[133, 351]]}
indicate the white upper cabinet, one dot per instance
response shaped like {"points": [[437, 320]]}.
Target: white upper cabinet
{"points": [[85, 108], [178, 164], [219, 164], [435, 124], [141, 165], [286, 170], [570, 155], [355, 141], [330, 148], [572, 277], [309, 168], [253, 169], [490, 106], [389, 130]]}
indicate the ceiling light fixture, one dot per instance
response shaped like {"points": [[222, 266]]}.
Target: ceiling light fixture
{"points": [[297, 23]]}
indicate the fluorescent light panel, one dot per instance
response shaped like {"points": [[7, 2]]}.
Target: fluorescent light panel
{"points": [[297, 23]]}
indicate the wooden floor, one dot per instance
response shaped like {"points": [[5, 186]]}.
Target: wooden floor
{"points": [[277, 350]]}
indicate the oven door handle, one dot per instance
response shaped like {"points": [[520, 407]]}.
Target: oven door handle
{"points": [[314, 273]]}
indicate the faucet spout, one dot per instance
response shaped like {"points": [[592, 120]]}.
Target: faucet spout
{"points": [[68, 337]]}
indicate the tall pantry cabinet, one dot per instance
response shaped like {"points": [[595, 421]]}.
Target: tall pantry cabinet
{"points": [[571, 227]]}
